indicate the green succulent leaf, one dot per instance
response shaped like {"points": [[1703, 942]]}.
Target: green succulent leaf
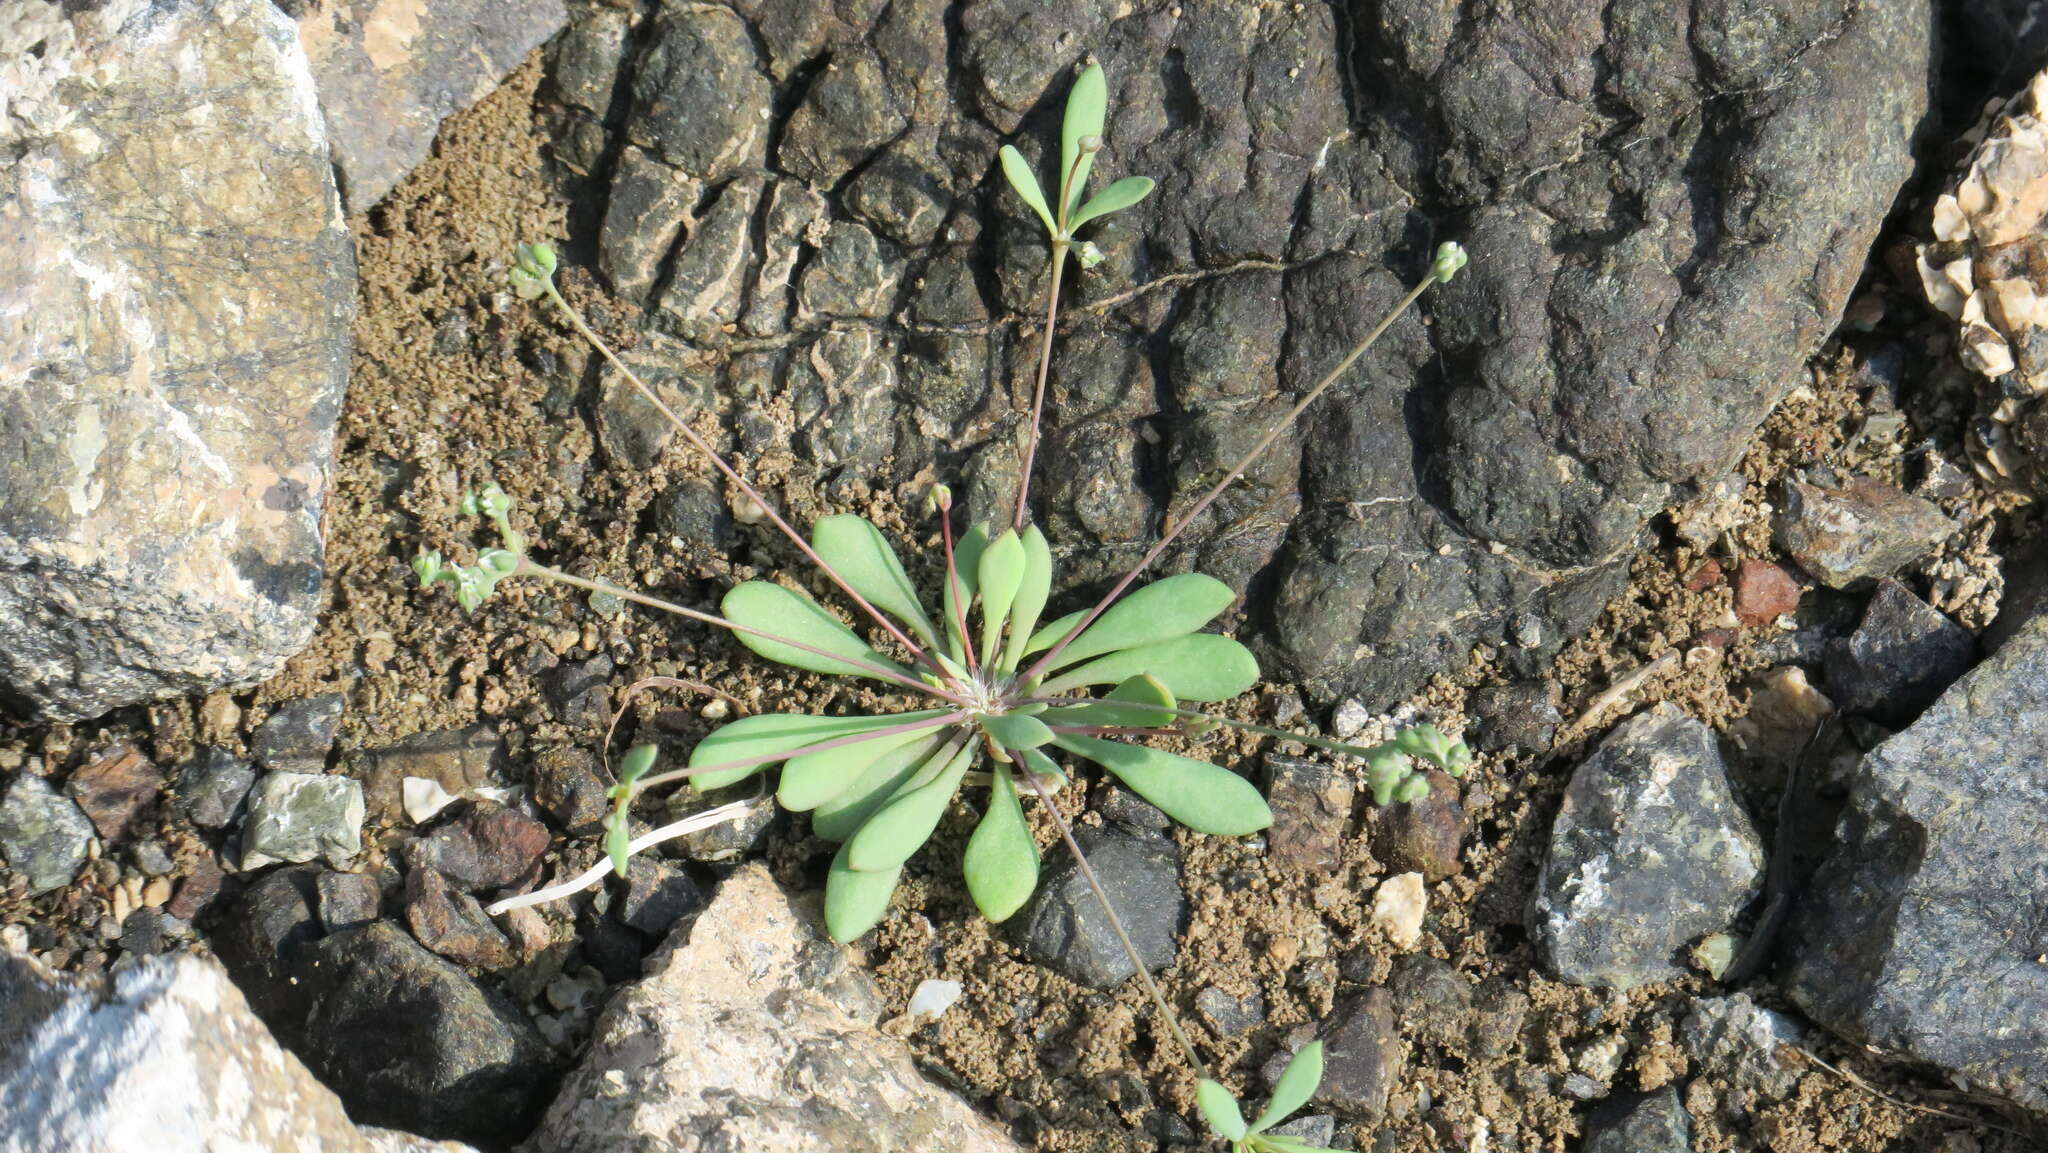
{"points": [[861, 554], [1032, 593], [769, 733], [1002, 574], [1001, 863], [1196, 667], [811, 779], [1206, 798], [1220, 1109], [842, 816], [1087, 109], [774, 609], [1115, 198], [906, 822], [1141, 702], [856, 901], [633, 766], [1016, 731], [1037, 764], [967, 573], [1170, 607], [1017, 171], [1384, 774], [618, 837], [1296, 1085]]}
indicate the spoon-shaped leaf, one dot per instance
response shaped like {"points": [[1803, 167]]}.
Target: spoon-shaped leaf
{"points": [[1115, 198], [1296, 1084], [1002, 574], [1087, 107], [1016, 731], [771, 733], [856, 901], [1141, 702], [862, 556], [1170, 607], [1001, 864], [1204, 797], [774, 609], [811, 779], [906, 822], [1197, 667], [1017, 171], [843, 815], [1032, 592], [1220, 1109]]}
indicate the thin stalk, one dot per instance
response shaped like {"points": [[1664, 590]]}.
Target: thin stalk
{"points": [[957, 590], [1174, 529], [711, 454], [1366, 752], [1052, 312], [709, 818], [770, 758], [528, 568], [1116, 924]]}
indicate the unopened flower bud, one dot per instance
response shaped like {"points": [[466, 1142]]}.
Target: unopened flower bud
{"points": [[1450, 257], [1089, 143]]}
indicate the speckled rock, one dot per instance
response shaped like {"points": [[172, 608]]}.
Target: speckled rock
{"points": [[174, 351], [698, 1054], [211, 787], [165, 1056], [44, 835], [298, 734], [1923, 932], [1737, 1041], [1657, 1123], [300, 816], [389, 71], [1861, 529], [1649, 852]]}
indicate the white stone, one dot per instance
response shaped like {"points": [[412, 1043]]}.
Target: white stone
{"points": [[1398, 907]]}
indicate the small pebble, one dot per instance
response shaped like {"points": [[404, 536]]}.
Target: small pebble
{"points": [[1398, 908]]}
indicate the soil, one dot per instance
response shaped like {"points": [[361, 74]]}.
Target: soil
{"points": [[456, 382]]}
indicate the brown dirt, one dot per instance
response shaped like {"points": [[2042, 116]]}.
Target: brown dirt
{"points": [[456, 383]]}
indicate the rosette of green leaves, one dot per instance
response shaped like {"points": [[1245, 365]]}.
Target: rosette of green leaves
{"points": [[883, 796], [1080, 140]]}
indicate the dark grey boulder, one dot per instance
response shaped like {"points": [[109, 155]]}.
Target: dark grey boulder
{"points": [[1657, 1123], [1923, 933], [1650, 852], [1899, 659], [1645, 278], [1064, 929]]}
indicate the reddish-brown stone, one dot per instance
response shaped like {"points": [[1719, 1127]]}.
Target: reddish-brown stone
{"points": [[1763, 592]]}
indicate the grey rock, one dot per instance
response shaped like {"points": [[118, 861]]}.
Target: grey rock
{"points": [[43, 834], [452, 923], [389, 73], [346, 900], [1063, 927], [1650, 852], [1432, 1000], [174, 379], [1922, 933], [1113, 802], [168, 1049], [1580, 1087], [212, 786], [708, 278], [650, 206], [1657, 1123], [633, 430], [1311, 804], [298, 735], [903, 194], [1863, 529], [704, 1045], [1737, 1041], [153, 857], [458, 760], [794, 221], [1230, 1015], [410, 1042], [848, 113], [568, 787], [699, 99], [298, 817], [693, 510], [1317, 1129], [655, 896], [270, 923], [852, 275], [1362, 1055], [1899, 659], [843, 396], [1523, 716], [145, 932]]}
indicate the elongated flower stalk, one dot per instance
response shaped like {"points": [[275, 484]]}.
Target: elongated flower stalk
{"points": [[991, 690]]}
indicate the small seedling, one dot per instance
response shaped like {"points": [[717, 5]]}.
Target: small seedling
{"points": [[1295, 1086], [1000, 689]]}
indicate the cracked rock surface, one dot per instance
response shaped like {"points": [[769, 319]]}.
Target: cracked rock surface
{"points": [[1665, 218]]}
